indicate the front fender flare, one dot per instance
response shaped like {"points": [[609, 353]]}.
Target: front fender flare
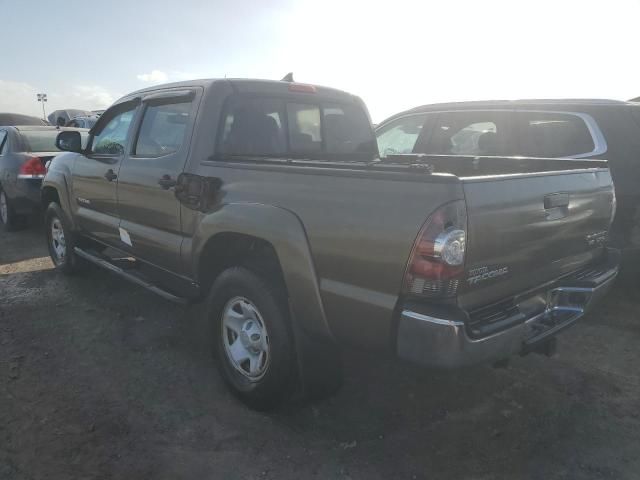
{"points": [[57, 180]]}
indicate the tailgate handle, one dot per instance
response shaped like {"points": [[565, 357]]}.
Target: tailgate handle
{"points": [[554, 200]]}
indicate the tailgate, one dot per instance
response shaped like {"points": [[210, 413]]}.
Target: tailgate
{"points": [[526, 230]]}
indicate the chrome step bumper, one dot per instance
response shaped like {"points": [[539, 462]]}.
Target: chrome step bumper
{"points": [[440, 342]]}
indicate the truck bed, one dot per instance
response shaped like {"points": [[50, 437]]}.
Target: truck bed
{"points": [[361, 220]]}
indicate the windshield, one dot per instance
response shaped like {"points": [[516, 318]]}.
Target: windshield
{"points": [[44, 140]]}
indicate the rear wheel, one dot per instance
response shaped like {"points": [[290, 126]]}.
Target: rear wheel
{"points": [[253, 342], [9, 220], [61, 240]]}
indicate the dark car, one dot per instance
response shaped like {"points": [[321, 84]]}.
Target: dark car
{"points": [[268, 200], [19, 119], [572, 129], [24, 152]]}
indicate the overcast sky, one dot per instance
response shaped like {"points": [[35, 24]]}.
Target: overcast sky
{"points": [[394, 54]]}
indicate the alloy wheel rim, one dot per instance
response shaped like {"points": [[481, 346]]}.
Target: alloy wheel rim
{"points": [[245, 338], [57, 239], [4, 208]]}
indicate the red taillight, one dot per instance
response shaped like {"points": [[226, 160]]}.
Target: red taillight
{"points": [[302, 88], [436, 263], [32, 168]]}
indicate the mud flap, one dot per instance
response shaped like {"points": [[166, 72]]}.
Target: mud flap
{"points": [[319, 364]]}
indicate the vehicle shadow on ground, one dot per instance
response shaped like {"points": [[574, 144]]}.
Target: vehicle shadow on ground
{"points": [[101, 378], [23, 245]]}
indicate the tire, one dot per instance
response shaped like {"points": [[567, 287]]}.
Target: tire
{"points": [[252, 339], [61, 241], [9, 220]]}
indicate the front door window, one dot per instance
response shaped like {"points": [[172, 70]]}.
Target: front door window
{"points": [[112, 138]]}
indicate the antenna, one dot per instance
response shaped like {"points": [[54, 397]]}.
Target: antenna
{"points": [[288, 77]]}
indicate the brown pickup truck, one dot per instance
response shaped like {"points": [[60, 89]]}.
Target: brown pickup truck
{"points": [[269, 200]]}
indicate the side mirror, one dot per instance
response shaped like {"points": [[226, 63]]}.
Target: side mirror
{"points": [[69, 141]]}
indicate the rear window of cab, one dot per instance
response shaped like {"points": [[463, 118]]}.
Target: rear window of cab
{"points": [[276, 127]]}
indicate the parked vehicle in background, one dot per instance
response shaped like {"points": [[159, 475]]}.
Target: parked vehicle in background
{"points": [[24, 152], [19, 119], [83, 121], [573, 129], [63, 117], [268, 199]]}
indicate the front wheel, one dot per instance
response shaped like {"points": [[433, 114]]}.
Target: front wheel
{"points": [[60, 240], [253, 342]]}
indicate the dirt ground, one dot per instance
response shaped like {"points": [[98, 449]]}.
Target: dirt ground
{"points": [[100, 379]]}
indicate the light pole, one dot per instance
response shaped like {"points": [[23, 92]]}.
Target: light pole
{"points": [[42, 97]]}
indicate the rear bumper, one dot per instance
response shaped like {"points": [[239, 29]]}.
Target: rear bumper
{"points": [[439, 341], [25, 198]]}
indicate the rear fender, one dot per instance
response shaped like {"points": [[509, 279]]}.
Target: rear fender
{"points": [[318, 356], [284, 230]]}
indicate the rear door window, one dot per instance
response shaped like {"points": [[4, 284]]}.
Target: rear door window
{"points": [[400, 136], [552, 135], [163, 129], [468, 140], [475, 133]]}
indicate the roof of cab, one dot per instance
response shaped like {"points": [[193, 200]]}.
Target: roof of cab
{"points": [[239, 84]]}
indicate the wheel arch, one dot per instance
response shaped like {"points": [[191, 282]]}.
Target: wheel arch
{"points": [[55, 189], [270, 227], [228, 249], [275, 241], [49, 194]]}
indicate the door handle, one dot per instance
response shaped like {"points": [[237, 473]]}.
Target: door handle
{"points": [[110, 175], [555, 200], [166, 182]]}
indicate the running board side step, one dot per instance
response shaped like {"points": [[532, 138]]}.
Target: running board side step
{"points": [[128, 276]]}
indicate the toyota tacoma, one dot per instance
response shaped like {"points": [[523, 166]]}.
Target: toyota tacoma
{"points": [[269, 201]]}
